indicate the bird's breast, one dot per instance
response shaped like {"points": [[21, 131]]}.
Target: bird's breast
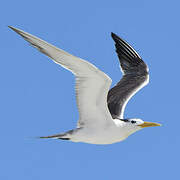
{"points": [[100, 136]]}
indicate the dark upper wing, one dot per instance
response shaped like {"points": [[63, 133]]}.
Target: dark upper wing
{"points": [[135, 76]]}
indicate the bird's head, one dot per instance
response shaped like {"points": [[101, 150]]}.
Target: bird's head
{"points": [[140, 123], [133, 125]]}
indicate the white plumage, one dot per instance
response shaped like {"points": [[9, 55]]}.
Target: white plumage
{"points": [[96, 124]]}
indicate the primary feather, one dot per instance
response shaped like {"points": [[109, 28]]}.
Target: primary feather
{"points": [[135, 76]]}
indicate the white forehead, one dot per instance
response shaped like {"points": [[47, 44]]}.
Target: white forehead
{"points": [[138, 121]]}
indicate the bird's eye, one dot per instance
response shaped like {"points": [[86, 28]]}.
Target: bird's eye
{"points": [[133, 122]]}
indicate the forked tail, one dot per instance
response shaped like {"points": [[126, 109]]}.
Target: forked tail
{"points": [[56, 136], [63, 136]]}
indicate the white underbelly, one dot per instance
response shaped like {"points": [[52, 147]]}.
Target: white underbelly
{"points": [[101, 136]]}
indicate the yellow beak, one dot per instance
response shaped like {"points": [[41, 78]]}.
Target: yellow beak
{"points": [[149, 124]]}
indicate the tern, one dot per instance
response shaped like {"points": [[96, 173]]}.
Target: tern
{"points": [[100, 110]]}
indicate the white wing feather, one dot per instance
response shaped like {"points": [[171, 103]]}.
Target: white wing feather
{"points": [[92, 85]]}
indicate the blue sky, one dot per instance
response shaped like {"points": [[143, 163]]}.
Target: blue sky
{"points": [[37, 96]]}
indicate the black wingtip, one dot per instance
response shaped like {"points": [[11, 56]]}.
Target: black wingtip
{"points": [[117, 39], [14, 29], [114, 36], [123, 46], [11, 28]]}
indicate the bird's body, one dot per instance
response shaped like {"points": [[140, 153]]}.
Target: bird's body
{"points": [[100, 110], [109, 134]]}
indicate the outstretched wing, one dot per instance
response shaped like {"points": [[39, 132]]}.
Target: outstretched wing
{"points": [[92, 85], [135, 77]]}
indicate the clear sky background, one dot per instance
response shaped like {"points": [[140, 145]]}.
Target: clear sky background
{"points": [[37, 96]]}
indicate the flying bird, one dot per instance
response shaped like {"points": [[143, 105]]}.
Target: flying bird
{"points": [[100, 109]]}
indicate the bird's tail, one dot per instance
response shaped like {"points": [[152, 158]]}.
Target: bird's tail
{"points": [[56, 136], [63, 136]]}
